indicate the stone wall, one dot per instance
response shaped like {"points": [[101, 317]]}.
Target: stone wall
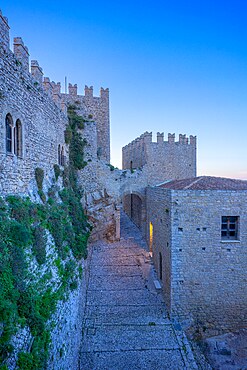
{"points": [[101, 199], [158, 236], [206, 276], [67, 328], [4, 31], [27, 103]]}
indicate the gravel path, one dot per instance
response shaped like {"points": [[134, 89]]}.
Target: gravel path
{"points": [[126, 326]]}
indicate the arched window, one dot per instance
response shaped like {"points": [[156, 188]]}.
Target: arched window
{"points": [[9, 139], [18, 138]]}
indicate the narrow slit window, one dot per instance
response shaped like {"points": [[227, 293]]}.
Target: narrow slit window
{"points": [[18, 140], [9, 125], [59, 154], [62, 157]]}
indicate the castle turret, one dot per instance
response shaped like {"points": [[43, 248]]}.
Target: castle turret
{"points": [[21, 52], [4, 31]]}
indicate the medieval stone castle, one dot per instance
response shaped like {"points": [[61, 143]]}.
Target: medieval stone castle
{"points": [[196, 227]]}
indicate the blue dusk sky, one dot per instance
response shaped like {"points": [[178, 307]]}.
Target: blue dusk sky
{"points": [[171, 66]]}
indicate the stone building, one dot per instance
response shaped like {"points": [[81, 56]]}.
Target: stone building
{"points": [[197, 232]]}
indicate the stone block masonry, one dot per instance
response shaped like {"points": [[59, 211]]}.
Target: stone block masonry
{"points": [[4, 31], [203, 274]]}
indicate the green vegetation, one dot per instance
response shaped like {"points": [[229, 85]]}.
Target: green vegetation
{"points": [[77, 144], [18, 62], [39, 244], [57, 171], [39, 177], [68, 135], [75, 121], [24, 224], [112, 168], [28, 300], [76, 150]]}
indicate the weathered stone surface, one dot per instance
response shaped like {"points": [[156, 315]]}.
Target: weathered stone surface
{"points": [[228, 351], [145, 359]]}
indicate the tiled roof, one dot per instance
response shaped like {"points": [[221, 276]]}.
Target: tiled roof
{"points": [[206, 183]]}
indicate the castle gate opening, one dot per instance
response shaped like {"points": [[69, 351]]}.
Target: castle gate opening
{"points": [[134, 207]]}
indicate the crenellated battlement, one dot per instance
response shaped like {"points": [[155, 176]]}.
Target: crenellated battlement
{"points": [[88, 93], [146, 138]]}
